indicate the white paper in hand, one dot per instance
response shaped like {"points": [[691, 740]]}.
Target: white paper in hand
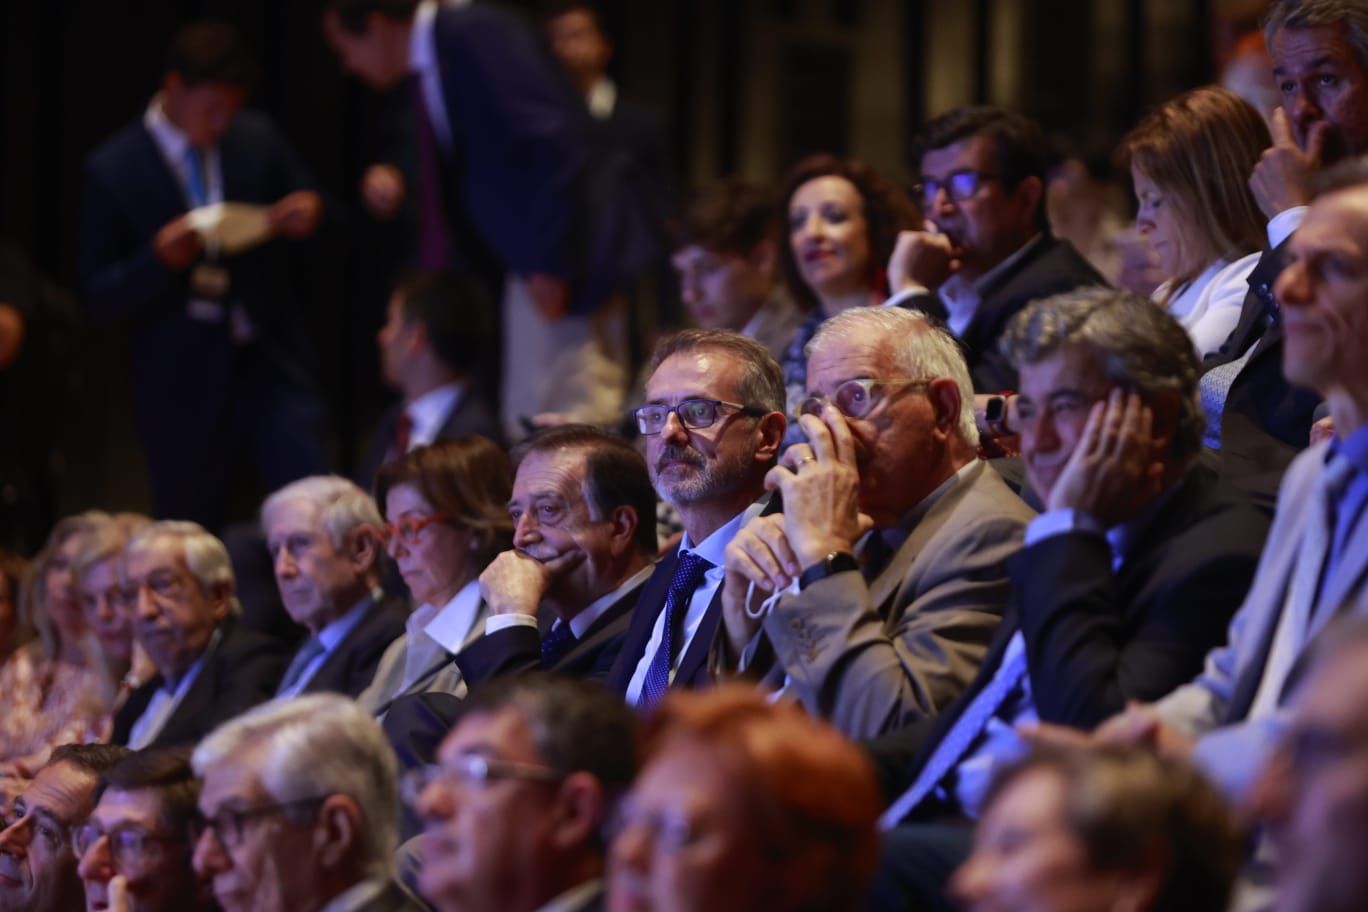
{"points": [[232, 227]]}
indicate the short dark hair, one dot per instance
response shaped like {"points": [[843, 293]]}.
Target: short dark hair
{"points": [[615, 475], [1351, 15], [165, 772], [729, 216], [554, 9], [94, 759], [887, 210], [1019, 147], [577, 724], [456, 312], [352, 14], [762, 379], [205, 52]]}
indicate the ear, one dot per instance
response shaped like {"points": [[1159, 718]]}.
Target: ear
{"points": [[580, 808], [221, 595], [771, 429], [417, 336], [624, 522], [764, 257], [944, 394], [337, 831], [1165, 407], [1031, 192], [363, 547]]}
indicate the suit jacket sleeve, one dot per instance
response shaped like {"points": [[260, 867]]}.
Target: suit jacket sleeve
{"points": [[868, 674], [1092, 647], [512, 650]]}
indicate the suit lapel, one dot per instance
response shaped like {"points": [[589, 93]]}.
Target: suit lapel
{"points": [[649, 606], [696, 657], [165, 195]]}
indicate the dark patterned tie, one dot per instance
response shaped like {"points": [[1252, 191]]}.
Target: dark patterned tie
{"points": [[688, 574], [557, 643], [434, 244]]}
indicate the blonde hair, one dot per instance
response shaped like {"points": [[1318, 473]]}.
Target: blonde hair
{"points": [[33, 608], [1200, 149]]}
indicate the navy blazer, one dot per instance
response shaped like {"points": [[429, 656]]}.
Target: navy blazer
{"points": [[471, 416], [241, 671], [350, 667], [1095, 638]]}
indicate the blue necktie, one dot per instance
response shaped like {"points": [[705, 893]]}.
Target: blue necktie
{"points": [[688, 574], [958, 739], [559, 640], [312, 647], [195, 177]]}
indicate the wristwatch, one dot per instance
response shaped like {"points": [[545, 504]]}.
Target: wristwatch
{"points": [[996, 413], [835, 562]]}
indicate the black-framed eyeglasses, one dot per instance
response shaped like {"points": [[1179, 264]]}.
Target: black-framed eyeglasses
{"points": [[475, 770], [228, 824], [693, 413], [130, 845], [668, 830], [958, 185], [856, 398]]}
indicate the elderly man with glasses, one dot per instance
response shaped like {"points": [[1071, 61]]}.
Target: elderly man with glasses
{"points": [[515, 806], [881, 582], [298, 810]]}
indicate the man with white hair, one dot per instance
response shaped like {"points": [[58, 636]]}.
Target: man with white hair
{"points": [[298, 809], [324, 537], [176, 581], [892, 547]]}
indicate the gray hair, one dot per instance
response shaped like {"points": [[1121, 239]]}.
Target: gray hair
{"points": [[205, 556], [762, 379], [1351, 15], [314, 746], [1136, 342], [342, 505], [920, 350]]}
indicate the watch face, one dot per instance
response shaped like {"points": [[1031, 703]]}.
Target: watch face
{"points": [[995, 408]]}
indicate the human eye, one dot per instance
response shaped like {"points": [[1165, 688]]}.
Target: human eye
{"points": [[1328, 79], [796, 219], [834, 213], [853, 398], [1025, 409], [651, 416], [163, 583], [1287, 86], [699, 411], [550, 511]]}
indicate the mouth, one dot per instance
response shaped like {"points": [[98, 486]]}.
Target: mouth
{"points": [[818, 254]]}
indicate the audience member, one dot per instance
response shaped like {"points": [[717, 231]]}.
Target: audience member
{"points": [[1257, 418], [1126, 580], [986, 250], [1190, 161], [37, 863], [177, 583], [95, 571], [1087, 208], [1312, 568], [516, 805], [447, 512], [16, 629], [217, 321], [1314, 793], [1248, 72], [895, 634], [725, 256], [135, 849], [433, 350], [713, 423], [1100, 830], [53, 687], [744, 804], [297, 809], [583, 516], [843, 219], [326, 540]]}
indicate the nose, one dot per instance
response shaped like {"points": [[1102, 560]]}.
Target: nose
{"points": [[436, 802], [942, 201], [1303, 107], [1293, 286], [1038, 434], [526, 531], [285, 566], [14, 839], [394, 544], [96, 863], [145, 605], [674, 430], [969, 883], [631, 848], [209, 857]]}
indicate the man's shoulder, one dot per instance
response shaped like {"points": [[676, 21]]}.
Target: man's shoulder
{"points": [[113, 153], [1054, 265], [984, 493], [240, 645]]}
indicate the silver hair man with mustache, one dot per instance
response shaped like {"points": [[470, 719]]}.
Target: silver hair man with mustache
{"points": [[714, 423]]}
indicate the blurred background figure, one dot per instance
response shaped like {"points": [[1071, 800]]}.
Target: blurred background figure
{"points": [[744, 804], [54, 686], [111, 644], [726, 257], [842, 220], [138, 840], [1248, 72], [1101, 830], [446, 517], [1087, 208], [1190, 161]]}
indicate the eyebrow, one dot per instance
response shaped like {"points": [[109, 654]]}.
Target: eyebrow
{"points": [[1313, 65]]}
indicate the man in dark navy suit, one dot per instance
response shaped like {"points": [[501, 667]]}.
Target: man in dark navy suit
{"points": [[219, 365]]}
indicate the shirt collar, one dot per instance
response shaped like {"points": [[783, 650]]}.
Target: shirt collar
{"points": [[422, 49], [432, 408], [580, 623], [337, 629], [1007, 263], [182, 684], [896, 535], [713, 549], [357, 896], [602, 98], [452, 625], [1354, 448], [575, 898], [168, 136]]}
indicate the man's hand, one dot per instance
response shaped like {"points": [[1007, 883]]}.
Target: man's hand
{"points": [[550, 295], [382, 191], [11, 334], [821, 489], [176, 244], [515, 582], [925, 258], [1321, 430], [1140, 726], [1282, 177], [296, 215], [759, 554], [1111, 473]]}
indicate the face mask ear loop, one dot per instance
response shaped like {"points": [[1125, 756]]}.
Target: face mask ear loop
{"points": [[766, 605]]}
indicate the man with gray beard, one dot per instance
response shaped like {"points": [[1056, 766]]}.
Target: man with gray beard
{"points": [[714, 424]]}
